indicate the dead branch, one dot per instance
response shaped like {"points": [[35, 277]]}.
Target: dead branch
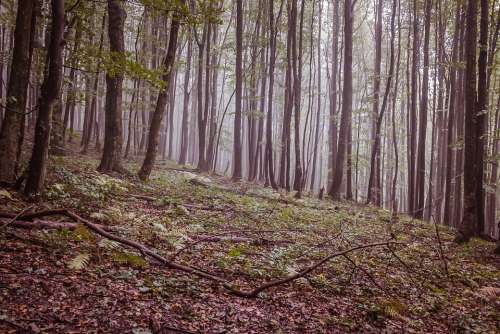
{"points": [[146, 252], [304, 272], [44, 224], [14, 219]]}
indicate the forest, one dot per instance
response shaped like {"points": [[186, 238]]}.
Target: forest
{"points": [[259, 166]]}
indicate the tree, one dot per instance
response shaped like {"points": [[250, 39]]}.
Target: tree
{"points": [[481, 112], [12, 130], [420, 175], [163, 99], [469, 225], [332, 124], [237, 147], [297, 78], [185, 108], [112, 152], [374, 191], [345, 121], [49, 95], [413, 112], [269, 119]]}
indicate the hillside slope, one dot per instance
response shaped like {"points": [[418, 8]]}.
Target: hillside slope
{"points": [[76, 281]]}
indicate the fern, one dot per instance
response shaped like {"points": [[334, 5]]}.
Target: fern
{"points": [[129, 259], [108, 244], [79, 262], [81, 233], [392, 307]]}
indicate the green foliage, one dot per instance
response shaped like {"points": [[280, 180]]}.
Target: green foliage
{"points": [[126, 258], [81, 233], [84, 187]]}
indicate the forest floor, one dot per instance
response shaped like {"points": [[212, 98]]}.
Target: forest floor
{"points": [[76, 281]]}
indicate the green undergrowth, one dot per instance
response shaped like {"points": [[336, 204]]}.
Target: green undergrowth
{"points": [[420, 278]]}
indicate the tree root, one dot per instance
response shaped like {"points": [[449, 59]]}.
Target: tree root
{"points": [[148, 253]]}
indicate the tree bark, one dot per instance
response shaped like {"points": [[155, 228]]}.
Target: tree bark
{"points": [[237, 146], [12, 130], [112, 152], [345, 121], [49, 94], [163, 98], [469, 224], [420, 174]]}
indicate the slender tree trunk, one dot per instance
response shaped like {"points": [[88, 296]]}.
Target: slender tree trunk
{"points": [[413, 112], [297, 78], [49, 94], [237, 145], [112, 153], [374, 187], [345, 121], [420, 174], [163, 99], [332, 123], [185, 108], [318, 112], [481, 113], [70, 95], [269, 120], [12, 130], [469, 224], [447, 210], [374, 190]]}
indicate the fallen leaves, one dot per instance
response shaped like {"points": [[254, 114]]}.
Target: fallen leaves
{"points": [[111, 293]]}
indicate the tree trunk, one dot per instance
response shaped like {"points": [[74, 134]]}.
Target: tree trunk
{"points": [[12, 130], [297, 79], [420, 175], [49, 94], [481, 115], [269, 121], [332, 123], [469, 224], [345, 121], [413, 113], [163, 98], [185, 108], [112, 153], [237, 146], [374, 186]]}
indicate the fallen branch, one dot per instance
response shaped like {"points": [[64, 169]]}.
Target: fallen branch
{"points": [[253, 293], [14, 219], [146, 252], [43, 224]]}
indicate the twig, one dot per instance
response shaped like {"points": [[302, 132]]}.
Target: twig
{"points": [[304, 272], [366, 273], [44, 224], [441, 252]]}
